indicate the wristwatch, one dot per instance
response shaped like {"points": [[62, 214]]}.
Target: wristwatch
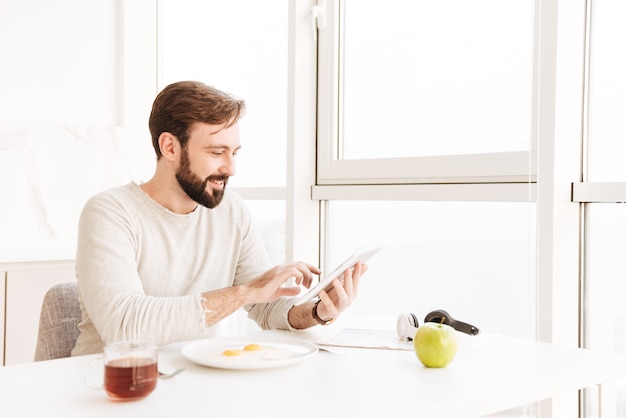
{"points": [[317, 317]]}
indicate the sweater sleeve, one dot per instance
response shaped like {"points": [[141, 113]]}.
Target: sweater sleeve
{"points": [[111, 290]]}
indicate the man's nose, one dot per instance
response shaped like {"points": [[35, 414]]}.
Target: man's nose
{"points": [[229, 167]]}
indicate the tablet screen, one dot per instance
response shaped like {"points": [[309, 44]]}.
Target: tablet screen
{"points": [[328, 279]]}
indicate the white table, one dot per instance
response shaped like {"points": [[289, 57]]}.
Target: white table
{"points": [[490, 373]]}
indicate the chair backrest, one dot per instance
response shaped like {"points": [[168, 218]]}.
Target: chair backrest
{"points": [[60, 315]]}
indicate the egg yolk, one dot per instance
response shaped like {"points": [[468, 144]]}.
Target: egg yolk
{"points": [[232, 353], [252, 347]]}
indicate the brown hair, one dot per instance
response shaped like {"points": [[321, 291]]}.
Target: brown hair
{"points": [[181, 104]]}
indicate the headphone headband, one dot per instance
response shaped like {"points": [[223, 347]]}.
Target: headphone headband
{"points": [[442, 316], [407, 324]]}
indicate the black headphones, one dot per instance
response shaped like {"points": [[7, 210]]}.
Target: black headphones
{"points": [[407, 324]]}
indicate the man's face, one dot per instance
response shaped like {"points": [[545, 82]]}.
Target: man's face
{"points": [[207, 161]]}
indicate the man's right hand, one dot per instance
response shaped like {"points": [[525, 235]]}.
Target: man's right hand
{"points": [[271, 285]]}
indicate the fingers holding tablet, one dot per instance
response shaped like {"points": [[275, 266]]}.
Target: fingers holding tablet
{"points": [[342, 271]]}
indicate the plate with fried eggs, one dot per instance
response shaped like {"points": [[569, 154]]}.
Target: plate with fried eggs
{"points": [[248, 352]]}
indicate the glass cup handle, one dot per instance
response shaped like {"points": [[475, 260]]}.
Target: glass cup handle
{"points": [[88, 373]]}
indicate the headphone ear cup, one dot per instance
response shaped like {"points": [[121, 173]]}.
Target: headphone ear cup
{"points": [[438, 315], [406, 326]]}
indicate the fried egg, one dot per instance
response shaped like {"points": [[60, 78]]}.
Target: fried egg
{"points": [[252, 353]]}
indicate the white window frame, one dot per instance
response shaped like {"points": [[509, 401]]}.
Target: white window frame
{"points": [[502, 167], [599, 192]]}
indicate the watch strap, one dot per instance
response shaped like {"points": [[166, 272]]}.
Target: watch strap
{"points": [[317, 317]]}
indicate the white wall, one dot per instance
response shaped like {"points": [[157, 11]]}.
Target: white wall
{"points": [[60, 61], [63, 134]]}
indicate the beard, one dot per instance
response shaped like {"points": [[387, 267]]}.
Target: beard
{"points": [[195, 187]]}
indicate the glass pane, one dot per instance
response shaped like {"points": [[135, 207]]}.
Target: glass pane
{"points": [[605, 311], [607, 101], [239, 46], [269, 218], [474, 259], [424, 78]]}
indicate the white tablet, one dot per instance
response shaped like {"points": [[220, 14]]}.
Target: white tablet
{"points": [[327, 280]]}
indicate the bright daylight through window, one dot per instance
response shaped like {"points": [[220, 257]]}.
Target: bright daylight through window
{"points": [[435, 78], [439, 78]]}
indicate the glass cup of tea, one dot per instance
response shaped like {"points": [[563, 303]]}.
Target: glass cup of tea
{"points": [[130, 370]]}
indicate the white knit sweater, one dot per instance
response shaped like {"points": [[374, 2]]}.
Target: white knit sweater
{"points": [[141, 268]]}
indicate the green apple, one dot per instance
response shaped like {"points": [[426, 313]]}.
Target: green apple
{"points": [[435, 344]]}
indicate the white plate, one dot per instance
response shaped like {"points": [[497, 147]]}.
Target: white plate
{"points": [[277, 352]]}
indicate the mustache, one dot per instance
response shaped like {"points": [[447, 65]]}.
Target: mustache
{"points": [[222, 177]]}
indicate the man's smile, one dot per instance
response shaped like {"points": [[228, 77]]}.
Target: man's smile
{"points": [[218, 182]]}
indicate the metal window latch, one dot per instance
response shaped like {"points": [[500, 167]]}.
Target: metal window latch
{"points": [[318, 17]]}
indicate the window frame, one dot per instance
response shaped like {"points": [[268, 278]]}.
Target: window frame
{"points": [[555, 158], [501, 167]]}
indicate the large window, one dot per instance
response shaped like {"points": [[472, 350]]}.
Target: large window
{"points": [[432, 92], [430, 120], [473, 259], [426, 78], [426, 92]]}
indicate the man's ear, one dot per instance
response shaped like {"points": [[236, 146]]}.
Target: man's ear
{"points": [[169, 145]]}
